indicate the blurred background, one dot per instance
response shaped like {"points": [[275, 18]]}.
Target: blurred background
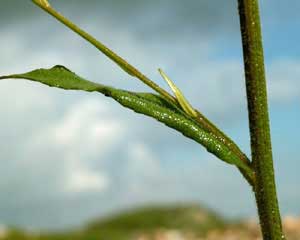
{"points": [[68, 157]]}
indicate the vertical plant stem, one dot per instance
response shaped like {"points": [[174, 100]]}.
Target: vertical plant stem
{"points": [[264, 188]]}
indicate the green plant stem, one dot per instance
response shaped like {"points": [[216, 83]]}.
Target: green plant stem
{"points": [[201, 119], [264, 188], [131, 70], [249, 176], [185, 105]]}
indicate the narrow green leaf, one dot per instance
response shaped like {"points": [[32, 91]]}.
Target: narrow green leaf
{"points": [[145, 103], [128, 68]]}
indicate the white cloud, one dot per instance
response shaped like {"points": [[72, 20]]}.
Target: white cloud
{"points": [[84, 133], [218, 87], [87, 120], [283, 80], [65, 153], [79, 178], [142, 162]]}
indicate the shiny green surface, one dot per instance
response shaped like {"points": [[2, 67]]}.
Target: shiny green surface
{"points": [[145, 103]]}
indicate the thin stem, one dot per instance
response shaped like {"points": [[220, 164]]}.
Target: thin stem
{"points": [[200, 118], [249, 176], [131, 70], [264, 188]]}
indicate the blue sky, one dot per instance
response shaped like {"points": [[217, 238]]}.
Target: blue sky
{"points": [[68, 157]]}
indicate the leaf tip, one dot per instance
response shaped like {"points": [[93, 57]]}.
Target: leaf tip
{"points": [[42, 3], [185, 105], [169, 81], [5, 77]]}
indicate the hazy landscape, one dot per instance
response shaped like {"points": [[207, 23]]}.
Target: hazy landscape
{"points": [[190, 222]]}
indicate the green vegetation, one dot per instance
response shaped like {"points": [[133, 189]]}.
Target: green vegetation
{"points": [[186, 218], [130, 224], [146, 103], [177, 113]]}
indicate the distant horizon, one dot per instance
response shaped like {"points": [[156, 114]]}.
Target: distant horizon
{"points": [[67, 157]]}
